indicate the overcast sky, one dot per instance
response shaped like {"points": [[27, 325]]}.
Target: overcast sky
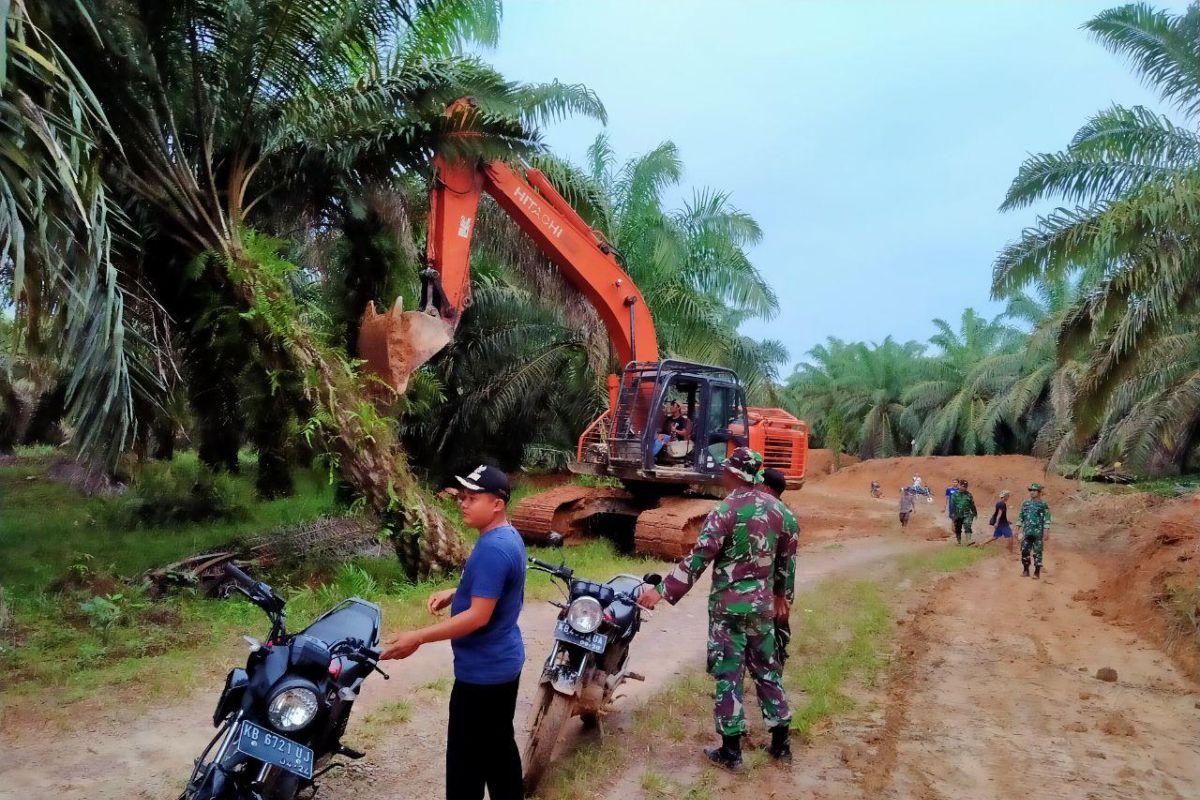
{"points": [[873, 141]]}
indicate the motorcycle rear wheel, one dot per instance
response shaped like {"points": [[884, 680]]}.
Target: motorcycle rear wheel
{"points": [[551, 710]]}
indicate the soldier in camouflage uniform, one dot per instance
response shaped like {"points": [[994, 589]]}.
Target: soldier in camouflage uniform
{"points": [[963, 512], [751, 539], [1033, 521]]}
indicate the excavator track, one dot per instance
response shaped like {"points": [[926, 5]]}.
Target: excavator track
{"points": [[670, 530], [563, 510], [667, 529]]}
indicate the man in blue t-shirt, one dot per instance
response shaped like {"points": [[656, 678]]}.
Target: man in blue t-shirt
{"points": [[481, 747]]}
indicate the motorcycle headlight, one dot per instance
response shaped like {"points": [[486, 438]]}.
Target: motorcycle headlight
{"points": [[585, 614], [293, 708]]}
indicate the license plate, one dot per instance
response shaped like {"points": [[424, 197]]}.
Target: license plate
{"points": [[596, 642], [274, 749]]}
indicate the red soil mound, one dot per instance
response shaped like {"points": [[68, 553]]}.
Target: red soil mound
{"points": [[1155, 584], [986, 476], [820, 462]]}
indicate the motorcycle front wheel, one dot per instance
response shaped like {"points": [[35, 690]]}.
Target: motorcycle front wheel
{"points": [[550, 711]]}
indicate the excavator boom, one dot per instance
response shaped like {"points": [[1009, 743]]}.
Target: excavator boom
{"points": [[624, 441], [395, 344]]}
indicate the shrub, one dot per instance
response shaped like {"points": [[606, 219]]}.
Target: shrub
{"points": [[180, 492]]}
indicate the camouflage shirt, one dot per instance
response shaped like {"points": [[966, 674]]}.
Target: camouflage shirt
{"points": [[1034, 517], [751, 539], [962, 505]]}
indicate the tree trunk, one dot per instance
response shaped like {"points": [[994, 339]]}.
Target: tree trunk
{"points": [[362, 442], [10, 417], [164, 438], [51, 407]]}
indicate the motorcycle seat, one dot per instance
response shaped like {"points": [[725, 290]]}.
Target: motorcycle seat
{"points": [[351, 619]]}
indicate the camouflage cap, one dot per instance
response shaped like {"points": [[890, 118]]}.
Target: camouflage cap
{"points": [[746, 464], [1035, 487]]}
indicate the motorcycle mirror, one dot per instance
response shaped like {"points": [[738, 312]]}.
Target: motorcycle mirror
{"points": [[555, 539], [652, 578]]}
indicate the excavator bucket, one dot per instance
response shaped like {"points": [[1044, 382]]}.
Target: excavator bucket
{"points": [[397, 343]]}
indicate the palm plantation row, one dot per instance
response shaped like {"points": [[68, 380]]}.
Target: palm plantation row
{"points": [[198, 200], [1096, 356]]}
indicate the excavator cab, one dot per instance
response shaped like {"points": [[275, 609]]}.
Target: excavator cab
{"points": [[643, 443]]}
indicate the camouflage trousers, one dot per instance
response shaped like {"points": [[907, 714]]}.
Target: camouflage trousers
{"points": [[737, 642], [1031, 543], [963, 525]]}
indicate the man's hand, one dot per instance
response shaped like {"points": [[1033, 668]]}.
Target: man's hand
{"points": [[438, 601], [402, 646], [783, 609], [648, 597]]}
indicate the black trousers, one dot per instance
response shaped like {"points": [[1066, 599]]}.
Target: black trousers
{"points": [[481, 747]]}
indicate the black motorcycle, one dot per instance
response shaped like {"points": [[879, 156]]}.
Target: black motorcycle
{"points": [[282, 718], [588, 661]]}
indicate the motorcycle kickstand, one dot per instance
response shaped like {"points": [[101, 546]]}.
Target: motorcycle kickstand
{"points": [[330, 766]]}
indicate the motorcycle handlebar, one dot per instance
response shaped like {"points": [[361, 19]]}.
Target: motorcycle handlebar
{"points": [[553, 569], [241, 577]]}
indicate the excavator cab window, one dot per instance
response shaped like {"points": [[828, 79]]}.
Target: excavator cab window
{"points": [[675, 443], [726, 414]]}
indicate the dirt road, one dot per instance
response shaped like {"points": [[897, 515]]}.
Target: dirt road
{"points": [[992, 694], [1001, 699], [150, 755]]}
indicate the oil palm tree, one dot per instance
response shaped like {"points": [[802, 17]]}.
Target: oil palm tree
{"points": [[1132, 176], [951, 404], [690, 263], [1034, 392], [855, 392], [57, 222], [228, 116]]}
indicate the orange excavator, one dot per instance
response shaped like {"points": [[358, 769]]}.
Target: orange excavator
{"points": [[665, 470]]}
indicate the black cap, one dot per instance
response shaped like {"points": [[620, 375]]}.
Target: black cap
{"points": [[774, 480], [486, 479]]}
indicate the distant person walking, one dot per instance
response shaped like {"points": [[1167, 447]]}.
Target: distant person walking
{"points": [[919, 488], [1033, 521], [999, 520], [907, 501], [951, 490], [964, 513]]}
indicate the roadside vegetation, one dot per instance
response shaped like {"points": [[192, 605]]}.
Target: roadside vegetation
{"points": [[77, 624]]}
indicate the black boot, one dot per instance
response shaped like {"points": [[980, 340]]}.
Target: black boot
{"points": [[781, 747], [1037, 571], [728, 755], [1025, 566]]}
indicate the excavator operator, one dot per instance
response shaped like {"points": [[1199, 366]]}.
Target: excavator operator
{"points": [[676, 427]]}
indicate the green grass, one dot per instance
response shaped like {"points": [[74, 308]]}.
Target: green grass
{"points": [[948, 559], [655, 785], [46, 526], [381, 721], [838, 635], [51, 648]]}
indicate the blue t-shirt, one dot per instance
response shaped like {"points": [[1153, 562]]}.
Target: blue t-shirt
{"points": [[495, 569]]}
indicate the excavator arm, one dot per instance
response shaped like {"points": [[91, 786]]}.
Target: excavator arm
{"points": [[397, 343]]}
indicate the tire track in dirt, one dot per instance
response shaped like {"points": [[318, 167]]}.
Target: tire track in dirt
{"points": [[995, 697]]}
